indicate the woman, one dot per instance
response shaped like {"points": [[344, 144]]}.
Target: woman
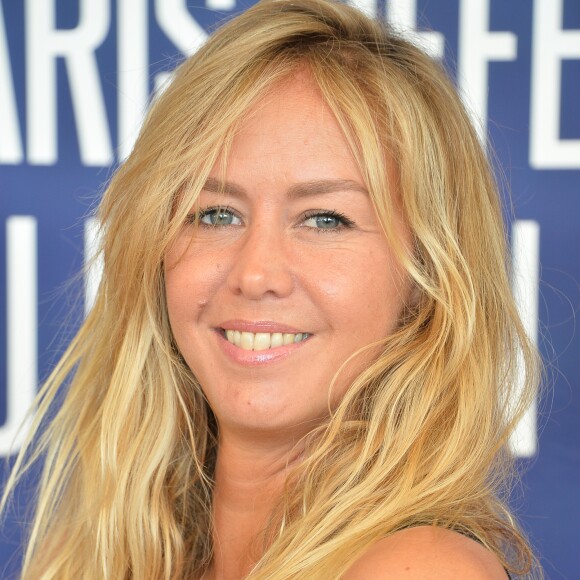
{"points": [[299, 357]]}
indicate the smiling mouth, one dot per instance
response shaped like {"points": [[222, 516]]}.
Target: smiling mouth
{"points": [[262, 340]]}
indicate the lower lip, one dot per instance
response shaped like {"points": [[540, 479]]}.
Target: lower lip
{"points": [[252, 358]]}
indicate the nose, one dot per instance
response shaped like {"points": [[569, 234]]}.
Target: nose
{"points": [[261, 265]]}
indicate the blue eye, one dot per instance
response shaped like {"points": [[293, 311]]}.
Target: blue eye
{"points": [[323, 221], [327, 220], [219, 216]]}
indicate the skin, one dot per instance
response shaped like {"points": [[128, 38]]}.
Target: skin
{"points": [[272, 263], [426, 553]]}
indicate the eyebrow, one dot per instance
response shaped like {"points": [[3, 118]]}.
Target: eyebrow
{"points": [[298, 190]]}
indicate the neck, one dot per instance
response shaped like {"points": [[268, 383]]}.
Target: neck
{"points": [[249, 480]]}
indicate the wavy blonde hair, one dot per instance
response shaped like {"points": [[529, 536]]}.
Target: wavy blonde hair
{"points": [[421, 435]]}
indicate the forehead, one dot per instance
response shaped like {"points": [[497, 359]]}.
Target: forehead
{"points": [[291, 131]]}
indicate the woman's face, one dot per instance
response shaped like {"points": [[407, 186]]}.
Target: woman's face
{"points": [[289, 272]]}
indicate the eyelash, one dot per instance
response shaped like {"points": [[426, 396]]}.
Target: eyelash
{"points": [[344, 221], [193, 218]]}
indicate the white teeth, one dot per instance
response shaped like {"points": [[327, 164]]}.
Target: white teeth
{"points": [[247, 342], [263, 340]]}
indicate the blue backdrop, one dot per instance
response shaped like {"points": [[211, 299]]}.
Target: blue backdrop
{"points": [[75, 79]]}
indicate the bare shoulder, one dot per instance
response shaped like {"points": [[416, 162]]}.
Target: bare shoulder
{"points": [[426, 553]]}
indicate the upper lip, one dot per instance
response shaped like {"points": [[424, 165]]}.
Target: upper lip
{"points": [[258, 326]]}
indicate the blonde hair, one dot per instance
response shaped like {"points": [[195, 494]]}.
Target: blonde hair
{"points": [[420, 436]]}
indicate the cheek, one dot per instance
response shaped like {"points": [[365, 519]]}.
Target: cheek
{"points": [[366, 307], [179, 304], [190, 281], [364, 291]]}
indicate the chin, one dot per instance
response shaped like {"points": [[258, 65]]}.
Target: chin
{"points": [[268, 419]]}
